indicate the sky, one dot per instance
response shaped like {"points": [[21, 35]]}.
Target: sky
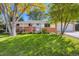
{"points": [[25, 17]]}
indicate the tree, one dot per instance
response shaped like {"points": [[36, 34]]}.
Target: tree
{"points": [[36, 14], [64, 13], [11, 10], [1, 24]]}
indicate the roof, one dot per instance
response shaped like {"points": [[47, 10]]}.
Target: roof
{"points": [[33, 21]]}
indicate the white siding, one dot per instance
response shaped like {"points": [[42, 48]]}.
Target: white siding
{"points": [[70, 28]]}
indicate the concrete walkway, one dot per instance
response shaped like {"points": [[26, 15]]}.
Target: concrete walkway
{"points": [[73, 34]]}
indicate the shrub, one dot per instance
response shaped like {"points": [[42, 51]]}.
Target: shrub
{"points": [[44, 31]]}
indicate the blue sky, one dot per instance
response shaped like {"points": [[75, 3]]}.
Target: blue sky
{"points": [[25, 17]]}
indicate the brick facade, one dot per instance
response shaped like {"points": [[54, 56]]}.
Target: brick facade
{"points": [[48, 29], [32, 29]]}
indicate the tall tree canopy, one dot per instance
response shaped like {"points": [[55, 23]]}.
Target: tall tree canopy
{"points": [[36, 14]]}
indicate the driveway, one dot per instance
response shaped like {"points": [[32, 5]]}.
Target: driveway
{"points": [[73, 34]]}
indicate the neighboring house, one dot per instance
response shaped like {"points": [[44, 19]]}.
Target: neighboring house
{"points": [[35, 26], [73, 26]]}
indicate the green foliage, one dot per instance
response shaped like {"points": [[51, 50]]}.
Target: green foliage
{"points": [[38, 45], [64, 11], [36, 14]]}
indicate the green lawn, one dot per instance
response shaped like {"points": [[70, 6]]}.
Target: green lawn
{"points": [[38, 45]]}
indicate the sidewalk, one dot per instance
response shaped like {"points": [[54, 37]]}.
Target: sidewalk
{"points": [[73, 34]]}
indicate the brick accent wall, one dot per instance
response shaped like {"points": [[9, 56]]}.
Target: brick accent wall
{"points": [[25, 29], [48, 29], [32, 29], [29, 29]]}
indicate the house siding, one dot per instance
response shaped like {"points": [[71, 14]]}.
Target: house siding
{"points": [[70, 28]]}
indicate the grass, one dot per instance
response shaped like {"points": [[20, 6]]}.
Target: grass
{"points": [[38, 45]]}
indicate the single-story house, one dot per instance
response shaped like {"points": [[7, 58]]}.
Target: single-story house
{"points": [[38, 25], [34, 26]]}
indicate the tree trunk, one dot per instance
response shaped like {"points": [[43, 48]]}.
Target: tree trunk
{"points": [[6, 18], [61, 27], [56, 27], [13, 29], [14, 21], [6, 29]]}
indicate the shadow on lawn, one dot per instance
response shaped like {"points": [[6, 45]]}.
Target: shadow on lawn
{"points": [[3, 35], [37, 45]]}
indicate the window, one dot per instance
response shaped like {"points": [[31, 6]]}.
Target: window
{"points": [[37, 23], [17, 24], [30, 24], [47, 25]]}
